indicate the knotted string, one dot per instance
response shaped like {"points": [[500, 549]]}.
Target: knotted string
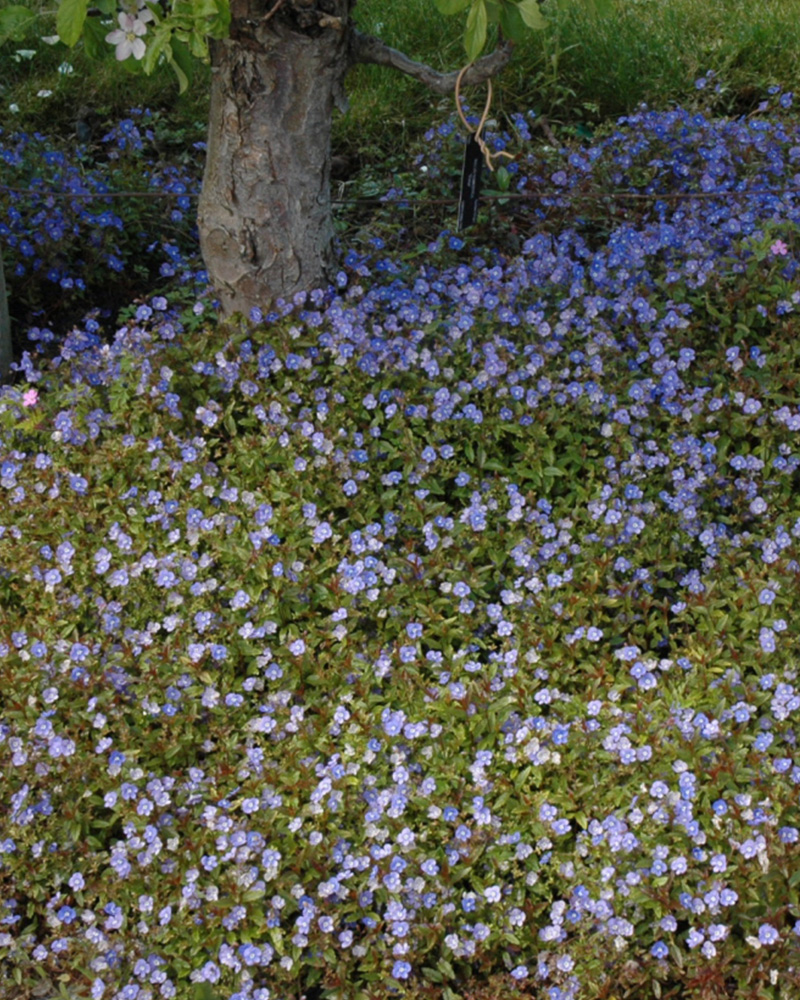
{"points": [[488, 155]]}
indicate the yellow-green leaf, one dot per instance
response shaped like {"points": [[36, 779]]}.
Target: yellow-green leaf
{"points": [[157, 42], [531, 14], [14, 22], [198, 45], [69, 20], [475, 33]]}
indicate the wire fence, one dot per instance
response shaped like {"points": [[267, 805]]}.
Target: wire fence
{"points": [[405, 201]]}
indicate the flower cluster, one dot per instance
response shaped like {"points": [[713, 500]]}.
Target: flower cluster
{"points": [[72, 253], [434, 630]]}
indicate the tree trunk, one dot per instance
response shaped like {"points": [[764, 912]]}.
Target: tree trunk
{"points": [[265, 210]]}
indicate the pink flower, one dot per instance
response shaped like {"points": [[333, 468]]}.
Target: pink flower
{"points": [[30, 398], [127, 38], [779, 249]]}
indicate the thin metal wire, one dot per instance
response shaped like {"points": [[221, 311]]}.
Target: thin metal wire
{"points": [[38, 193], [500, 196], [585, 196]]}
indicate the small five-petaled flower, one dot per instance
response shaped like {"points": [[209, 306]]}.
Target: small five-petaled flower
{"points": [[128, 36]]}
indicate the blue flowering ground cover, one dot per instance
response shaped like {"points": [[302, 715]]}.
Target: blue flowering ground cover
{"points": [[71, 249], [433, 635]]}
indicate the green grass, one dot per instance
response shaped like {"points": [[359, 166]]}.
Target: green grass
{"points": [[105, 90], [583, 70], [586, 69]]}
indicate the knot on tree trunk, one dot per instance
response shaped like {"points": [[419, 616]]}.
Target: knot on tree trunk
{"points": [[307, 17]]}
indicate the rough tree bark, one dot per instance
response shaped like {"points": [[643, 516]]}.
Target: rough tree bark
{"points": [[265, 211]]}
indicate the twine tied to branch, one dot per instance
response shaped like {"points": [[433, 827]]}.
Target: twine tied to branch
{"points": [[488, 155]]}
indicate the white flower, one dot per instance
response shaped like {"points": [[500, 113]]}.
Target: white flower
{"points": [[128, 37]]}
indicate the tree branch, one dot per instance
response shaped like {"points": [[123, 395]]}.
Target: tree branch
{"points": [[368, 49]]}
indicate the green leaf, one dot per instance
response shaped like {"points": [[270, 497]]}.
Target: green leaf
{"points": [[475, 33], [446, 968], [198, 45], [251, 895], [157, 43], [94, 39], [182, 63], [183, 79], [229, 422], [14, 21], [204, 8], [511, 22], [219, 26], [69, 20], [203, 991], [532, 15]]}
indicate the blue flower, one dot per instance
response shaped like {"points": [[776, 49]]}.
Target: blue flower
{"points": [[66, 914], [322, 532], [659, 950], [401, 970], [767, 639], [393, 722], [767, 934]]}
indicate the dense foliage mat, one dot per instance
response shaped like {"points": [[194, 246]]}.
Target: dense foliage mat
{"points": [[431, 635]]}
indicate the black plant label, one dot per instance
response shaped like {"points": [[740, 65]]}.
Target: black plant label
{"points": [[470, 185]]}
